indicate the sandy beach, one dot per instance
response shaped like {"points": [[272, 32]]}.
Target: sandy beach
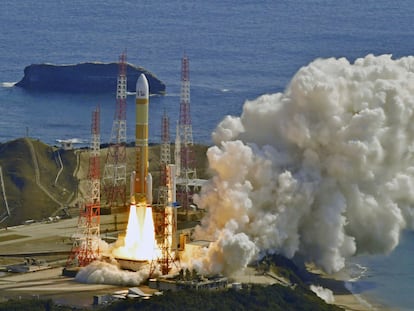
{"points": [[351, 302], [344, 298]]}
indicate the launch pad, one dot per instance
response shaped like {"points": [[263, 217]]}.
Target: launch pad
{"points": [[145, 243], [132, 264]]}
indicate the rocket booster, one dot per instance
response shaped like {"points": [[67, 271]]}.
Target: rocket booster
{"points": [[143, 180]]}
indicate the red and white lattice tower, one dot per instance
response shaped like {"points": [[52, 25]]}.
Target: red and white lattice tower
{"points": [[85, 248], [177, 151], [114, 179], [187, 168], [165, 159], [166, 199]]}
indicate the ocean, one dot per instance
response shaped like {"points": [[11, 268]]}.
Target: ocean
{"points": [[238, 50]]}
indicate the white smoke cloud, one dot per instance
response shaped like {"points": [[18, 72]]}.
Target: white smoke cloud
{"points": [[228, 253], [323, 293], [100, 272], [324, 170], [229, 128]]}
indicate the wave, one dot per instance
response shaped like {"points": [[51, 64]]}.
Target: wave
{"points": [[355, 273], [8, 84], [172, 95], [72, 140]]}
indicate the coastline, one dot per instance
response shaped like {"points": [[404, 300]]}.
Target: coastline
{"points": [[340, 284], [357, 302]]}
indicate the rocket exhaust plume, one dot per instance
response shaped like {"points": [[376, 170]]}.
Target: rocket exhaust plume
{"points": [[139, 242], [324, 170]]}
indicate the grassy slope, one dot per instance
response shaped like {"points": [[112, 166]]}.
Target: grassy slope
{"points": [[28, 201]]}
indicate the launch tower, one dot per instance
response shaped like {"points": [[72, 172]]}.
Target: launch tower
{"points": [[186, 171], [166, 198], [165, 159], [85, 248], [114, 179]]}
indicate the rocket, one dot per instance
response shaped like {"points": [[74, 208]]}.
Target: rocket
{"points": [[142, 191]]}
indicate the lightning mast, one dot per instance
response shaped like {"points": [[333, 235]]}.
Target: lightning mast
{"points": [[166, 199], [165, 159], [177, 151], [187, 169], [114, 179], [85, 248]]}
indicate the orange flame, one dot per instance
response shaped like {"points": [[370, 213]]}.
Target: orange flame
{"points": [[140, 243]]}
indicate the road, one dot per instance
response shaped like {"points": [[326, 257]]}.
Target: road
{"points": [[35, 238], [51, 284]]}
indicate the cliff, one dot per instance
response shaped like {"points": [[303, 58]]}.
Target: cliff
{"points": [[84, 78]]}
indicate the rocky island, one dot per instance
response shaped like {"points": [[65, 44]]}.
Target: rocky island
{"points": [[89, 77]]}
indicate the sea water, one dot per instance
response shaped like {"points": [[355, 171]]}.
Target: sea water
{"points": [[387, 279], [238, 50]]}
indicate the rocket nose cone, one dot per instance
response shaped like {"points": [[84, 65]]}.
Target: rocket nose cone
{"points": [[142, 86]]}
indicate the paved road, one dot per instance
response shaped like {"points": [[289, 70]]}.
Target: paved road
{"points": [[51, 236], [51, 284]]}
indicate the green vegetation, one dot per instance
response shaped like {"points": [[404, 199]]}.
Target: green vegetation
{"points": [[255, 297], [25, 198], [275, 297], [285, 268], [33, 305]]}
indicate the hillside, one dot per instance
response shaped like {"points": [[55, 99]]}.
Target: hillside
{"points": [[41, 180], [36, 186]]}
